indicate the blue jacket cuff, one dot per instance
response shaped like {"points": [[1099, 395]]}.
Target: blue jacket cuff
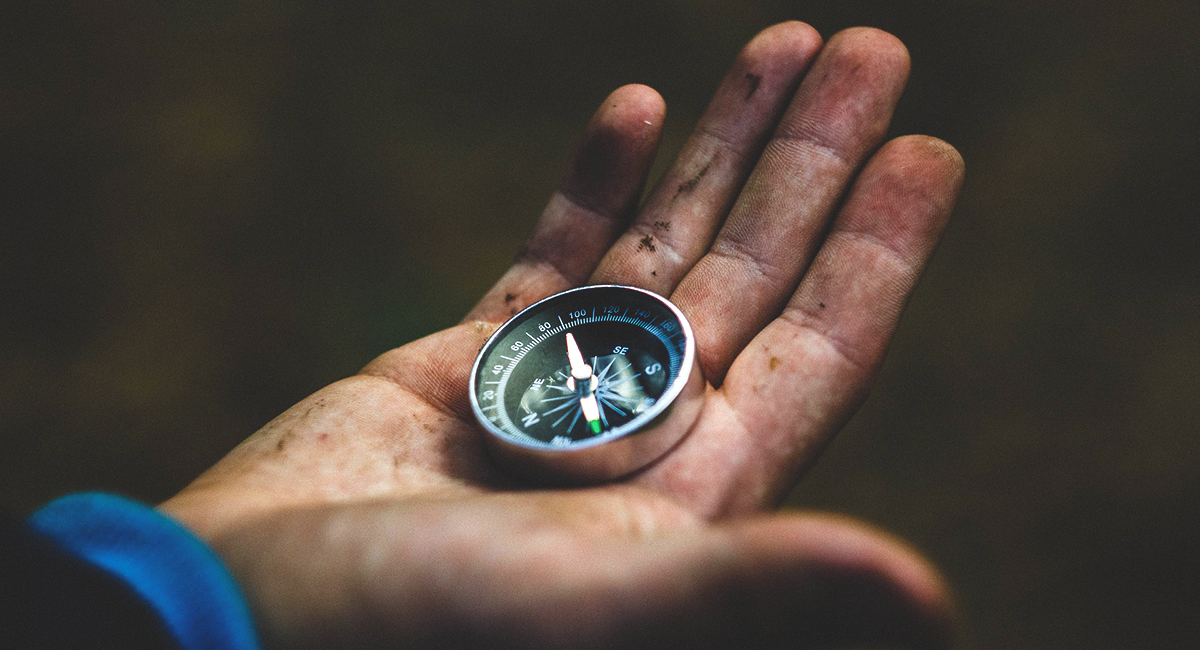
{"points": [[163, 562]]}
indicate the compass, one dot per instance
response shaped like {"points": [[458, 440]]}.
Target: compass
{"points": [[589, 384]]}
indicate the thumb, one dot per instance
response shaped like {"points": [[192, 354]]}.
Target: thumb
{"points": [[797, 581]]}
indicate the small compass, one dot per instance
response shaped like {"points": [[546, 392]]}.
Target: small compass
{"points": [[589, 384]]}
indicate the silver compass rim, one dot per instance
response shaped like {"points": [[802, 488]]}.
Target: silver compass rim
{"points": [[643, 419]]}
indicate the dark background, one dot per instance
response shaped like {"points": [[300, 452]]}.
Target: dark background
{"points": [[211, 209]]}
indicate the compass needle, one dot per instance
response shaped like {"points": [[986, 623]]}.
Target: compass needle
{"points": [[579, 368]]}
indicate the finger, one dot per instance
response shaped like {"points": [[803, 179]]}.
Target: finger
{"points": [[602, 186], [841, 113], [676, 225], [800, 379]]}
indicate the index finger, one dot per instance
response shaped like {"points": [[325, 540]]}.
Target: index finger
{"points": [[591, 206]]}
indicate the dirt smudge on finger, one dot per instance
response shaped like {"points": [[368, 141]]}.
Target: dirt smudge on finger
{"points": [[754, 80], [691, 183], [646, 244]]}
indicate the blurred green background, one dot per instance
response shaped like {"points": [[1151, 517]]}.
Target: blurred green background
{"points": [[211, 209]]}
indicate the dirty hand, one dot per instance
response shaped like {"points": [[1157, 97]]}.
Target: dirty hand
{"points": [[370, 513]]}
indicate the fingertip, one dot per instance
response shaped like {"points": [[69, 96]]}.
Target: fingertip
{"points": [[933, 152], [873, 49], [618, 146], [871, 38], [633, 108], [924, 169], [792, 41]]}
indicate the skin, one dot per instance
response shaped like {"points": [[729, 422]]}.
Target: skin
{"points": [[791, 235]]}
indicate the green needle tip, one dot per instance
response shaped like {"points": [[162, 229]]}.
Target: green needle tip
{"points": [[595, 424]]}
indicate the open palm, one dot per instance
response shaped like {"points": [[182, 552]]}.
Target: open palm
{"points": [[371, 514]]}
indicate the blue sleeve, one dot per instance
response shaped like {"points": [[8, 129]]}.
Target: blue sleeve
{"points": [[161, 561]]}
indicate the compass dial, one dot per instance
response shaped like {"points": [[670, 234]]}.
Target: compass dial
{"points": [[581, 369]]}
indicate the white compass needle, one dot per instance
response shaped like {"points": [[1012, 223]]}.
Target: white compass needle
{"points": [[580, 370]]}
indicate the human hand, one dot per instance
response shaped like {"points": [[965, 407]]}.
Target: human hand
{"points": [[371, 514]]}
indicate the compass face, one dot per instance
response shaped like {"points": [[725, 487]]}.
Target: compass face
{"points": [[582, 367]]}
